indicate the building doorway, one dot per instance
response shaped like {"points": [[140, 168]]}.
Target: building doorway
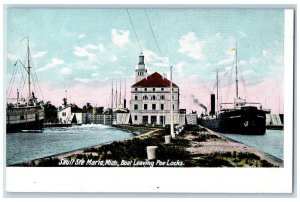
{"points": [[162, 120], [153, 120], [145, 120]]}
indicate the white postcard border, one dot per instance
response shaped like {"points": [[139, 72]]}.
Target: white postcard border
{"points": [[172, 180]]}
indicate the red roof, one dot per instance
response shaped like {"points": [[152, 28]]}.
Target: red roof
{"points": [[154, 80]]}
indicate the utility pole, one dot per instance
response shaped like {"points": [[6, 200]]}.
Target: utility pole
{"points": [[171, 90]]}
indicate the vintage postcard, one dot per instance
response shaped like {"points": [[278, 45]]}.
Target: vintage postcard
{"points": [[147, 91]]}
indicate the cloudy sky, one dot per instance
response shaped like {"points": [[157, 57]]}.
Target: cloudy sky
{"points": [[83, 50]]}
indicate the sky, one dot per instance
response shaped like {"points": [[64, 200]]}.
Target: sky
{"points": [[84, 50]]}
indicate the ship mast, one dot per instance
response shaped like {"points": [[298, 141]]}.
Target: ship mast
{"points": [[120, 96], [112, 95], [28, 68], [236, 74], [116, 95], [217, 89]]}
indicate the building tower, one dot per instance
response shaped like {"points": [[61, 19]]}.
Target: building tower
{"points": [[141, 71]]}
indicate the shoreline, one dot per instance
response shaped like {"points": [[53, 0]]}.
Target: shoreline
{"points": [[194, 147]]}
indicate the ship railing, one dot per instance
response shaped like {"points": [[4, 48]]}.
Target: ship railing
{"points": [[18, 111], [244, 104]]}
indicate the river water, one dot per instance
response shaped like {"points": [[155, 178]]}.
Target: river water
{"points": [[22, 147], [271, 142]]}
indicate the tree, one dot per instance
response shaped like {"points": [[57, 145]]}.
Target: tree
{"points": [[88, 108], [75, 108], [50, 113]]}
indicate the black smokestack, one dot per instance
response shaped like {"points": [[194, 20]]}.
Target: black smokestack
{"points": [[124, 103], [212, 104], [196, 101]]}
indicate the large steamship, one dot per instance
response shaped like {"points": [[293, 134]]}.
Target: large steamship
{"points": [[240, 116]]}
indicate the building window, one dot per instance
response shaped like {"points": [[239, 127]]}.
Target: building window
{"points": [[22, 117], [162, 97], [135, 97], [153, 97], [64, 114], [162, 89], [135, 89], [145, 97], [153, 106], [135, 117], [153, 89], [162, 106], [173, 106], [145, 106], [145, 89], [136, 107]]}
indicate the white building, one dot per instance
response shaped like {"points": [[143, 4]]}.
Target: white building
{"points": [[65, 115], [150, 98]]}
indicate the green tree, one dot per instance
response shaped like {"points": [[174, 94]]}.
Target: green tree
{"points": [[50, 113]]}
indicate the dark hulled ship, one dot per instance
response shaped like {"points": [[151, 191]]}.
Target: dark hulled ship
{"points": [[243, 118], [240, 116]]}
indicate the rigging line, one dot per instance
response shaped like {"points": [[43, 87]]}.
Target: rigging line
{"points": [[39, 86], [37, 80], [13, 80], [137, 38], [243, 80], [229, 83], [224, 75], [231, 72], [155, 38], [10, 82], [244, 84], [22, 79]]}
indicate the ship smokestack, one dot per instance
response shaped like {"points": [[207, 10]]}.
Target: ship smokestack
{"points": [[212, 104], [124, 103]]}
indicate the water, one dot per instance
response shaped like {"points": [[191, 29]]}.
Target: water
{"points": [[271, 142], [22, 147]]}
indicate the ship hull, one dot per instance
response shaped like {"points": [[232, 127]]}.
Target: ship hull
{"points": [[24, 118], [19, 127], [249, 121]]}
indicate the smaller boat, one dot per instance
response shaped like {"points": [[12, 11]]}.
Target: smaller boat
{"points": [[24, 114]]}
